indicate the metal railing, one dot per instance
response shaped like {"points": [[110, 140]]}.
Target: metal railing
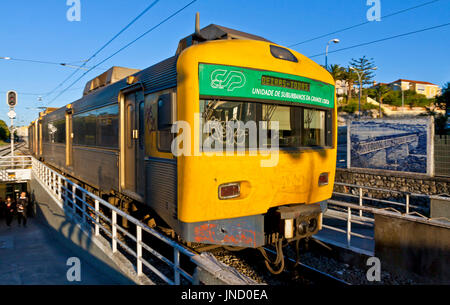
{"points": [[362, 213], [10, 166], [441, 155], [91, 211], [16, 162], [348, 214], [362, 195]]}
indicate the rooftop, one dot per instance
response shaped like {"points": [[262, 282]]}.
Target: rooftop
{"points": [[412, 81]]}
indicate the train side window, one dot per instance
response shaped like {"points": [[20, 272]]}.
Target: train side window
{"points": [[54, 132], [85, 129], [108, 126], [166, 116], [314, 127], [141, 125], [165, 138], [130, 126], [97, 128]]}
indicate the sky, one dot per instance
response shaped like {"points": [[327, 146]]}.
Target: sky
{"points": [[40, 31]]}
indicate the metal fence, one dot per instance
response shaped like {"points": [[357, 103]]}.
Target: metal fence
{"points": [[442, 155], [360, 214], [16, 162], [99, 216], [382, 198], [12, 168], [341, 160]]}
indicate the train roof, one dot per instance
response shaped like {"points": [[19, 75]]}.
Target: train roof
{"points": [[160, 76], [104, 89], [216, 32], [108, 77]]}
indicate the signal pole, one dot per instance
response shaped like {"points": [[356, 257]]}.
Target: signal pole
{"points": [[12, 137], [11, 100]]}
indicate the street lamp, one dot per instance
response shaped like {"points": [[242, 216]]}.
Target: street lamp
{"points": [[403, 96], [360, 75], [335, 40]]}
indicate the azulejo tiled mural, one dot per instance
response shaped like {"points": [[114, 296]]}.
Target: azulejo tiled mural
{"points": [[391, 144]]}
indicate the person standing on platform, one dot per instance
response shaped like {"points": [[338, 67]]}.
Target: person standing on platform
{"points": [[10, 208], [2, 208], [22, 204]]}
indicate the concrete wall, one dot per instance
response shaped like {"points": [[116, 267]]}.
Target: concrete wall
{"points": [[405, 246], [413, 183]]}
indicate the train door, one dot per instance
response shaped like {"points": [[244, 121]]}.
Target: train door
{"points": [[140, 149], [133, 144], [39, 152], [30, 138], [69, 137], [36, 140], [130, 148]]}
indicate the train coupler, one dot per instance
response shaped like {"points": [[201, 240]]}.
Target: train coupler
{"points": [[300, 221]]}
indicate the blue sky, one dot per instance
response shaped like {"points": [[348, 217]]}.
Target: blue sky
{"points": [[39, 30]]}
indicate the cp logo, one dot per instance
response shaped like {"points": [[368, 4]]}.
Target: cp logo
{"points": [[228, 80]]}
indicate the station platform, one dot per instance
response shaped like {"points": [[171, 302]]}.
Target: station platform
{"points": [[37, 254], [32, 255]]}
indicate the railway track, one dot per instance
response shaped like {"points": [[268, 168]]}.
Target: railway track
{"points": [[4, 151], [251, 263], [318, 276]]}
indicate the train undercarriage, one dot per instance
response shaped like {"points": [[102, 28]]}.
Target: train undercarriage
{"points": [[280, 226]]}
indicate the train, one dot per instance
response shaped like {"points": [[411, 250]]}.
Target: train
{"points": [[150, 138]]}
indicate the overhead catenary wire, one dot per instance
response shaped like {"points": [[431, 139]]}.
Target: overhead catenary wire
{"points": [[105, 45], [383, 39], [124, 47], [64, 64], [37, 94], [363, 23]]}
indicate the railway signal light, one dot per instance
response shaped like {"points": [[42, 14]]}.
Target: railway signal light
{"points": [[11, 98]]}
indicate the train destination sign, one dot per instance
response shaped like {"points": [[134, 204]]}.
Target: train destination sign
{"points": [[227, 81], [284, 83]]}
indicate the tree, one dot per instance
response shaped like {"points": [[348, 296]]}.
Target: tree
{"points": [[4, 131], [349, 76], [337, 72], [443, 100], [380, 92], [411, 97], [365, 67]]}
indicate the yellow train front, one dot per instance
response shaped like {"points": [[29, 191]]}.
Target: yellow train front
{"points": [[257, 194], [149, 138]]}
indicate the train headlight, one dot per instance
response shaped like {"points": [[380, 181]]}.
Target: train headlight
{"points": [[229, 190], [289, 228], [323, 179]]}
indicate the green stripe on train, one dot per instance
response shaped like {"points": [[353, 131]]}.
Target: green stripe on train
{"points": [[226, 81]]}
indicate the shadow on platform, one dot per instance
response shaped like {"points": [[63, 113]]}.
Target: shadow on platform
{"points": [[38, 254]]}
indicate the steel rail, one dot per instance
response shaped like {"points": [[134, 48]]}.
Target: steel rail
{"points": [[7, 149], [323, 276]]}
